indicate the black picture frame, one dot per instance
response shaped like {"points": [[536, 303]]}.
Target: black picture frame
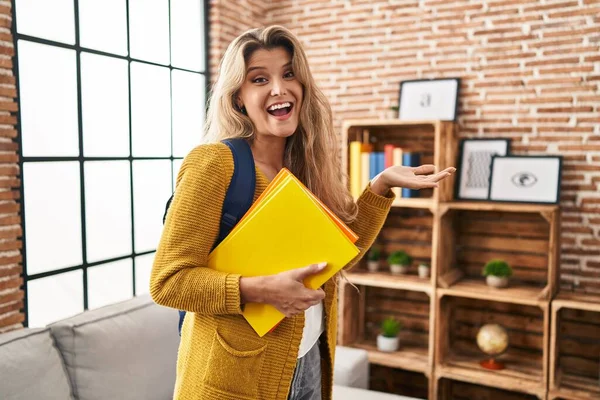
{"points": [[467, 147], [532, 180], [443, 110]]}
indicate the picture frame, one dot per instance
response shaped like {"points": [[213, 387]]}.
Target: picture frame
{"points": [[474, 166], [526, 179], [429, 99]]}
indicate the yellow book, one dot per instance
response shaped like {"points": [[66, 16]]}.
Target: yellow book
{"points": [[287, 228], [355, 170]]}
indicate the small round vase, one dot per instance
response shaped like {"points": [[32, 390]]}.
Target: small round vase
{"points": [[373, 266], [387, 344], [397, 269], [497, 281]]}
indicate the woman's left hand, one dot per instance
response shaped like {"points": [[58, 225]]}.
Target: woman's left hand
{"points": [[422, 177]]}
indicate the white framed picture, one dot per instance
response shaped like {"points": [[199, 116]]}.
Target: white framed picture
{"points": [[527, 179], [429, 99], [474, 166]]}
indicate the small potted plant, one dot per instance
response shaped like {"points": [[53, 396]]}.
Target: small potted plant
{"points": [[399, 262], [388, 340], [373, 257], [497, 273], [424, 270]]}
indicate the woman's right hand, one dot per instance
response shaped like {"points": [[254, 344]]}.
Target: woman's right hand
{"points": [[285, 291]]}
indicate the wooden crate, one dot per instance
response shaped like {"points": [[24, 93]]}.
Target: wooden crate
{"points": [[575, 347], [458, 320], [362, 309], [526, 236], [435, 140], [448, 389], [397, 381]]}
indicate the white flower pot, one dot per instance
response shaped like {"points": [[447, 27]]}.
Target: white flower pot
{"points": [[423, 271], [373, 266], [496, 281], [387, 344], [398, 269]]}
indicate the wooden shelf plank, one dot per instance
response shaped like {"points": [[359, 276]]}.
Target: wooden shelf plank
{"points": [[518, 377], [386, 280], [580, 301], [388, 122], [409, 357], [426, 203], [478, 289], [499, 206]]}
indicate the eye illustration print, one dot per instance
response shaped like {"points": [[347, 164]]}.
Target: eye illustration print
{"points": [[524, 179]]}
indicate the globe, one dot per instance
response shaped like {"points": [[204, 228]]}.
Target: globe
{"points": [[492, 339]]}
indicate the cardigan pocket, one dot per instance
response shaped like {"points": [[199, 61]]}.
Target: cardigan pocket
{"points": [[234, 372]]}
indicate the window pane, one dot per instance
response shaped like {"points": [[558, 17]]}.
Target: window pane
{"points": [[54, 298], [187, 34], [48, 100], [149, 30], [150, 110], [176, 167], [143, 266], [151, 190], [52, 20], [53, 215], [110, 283], [105, 92], [188, 111], [93, 15], [107, 209]]}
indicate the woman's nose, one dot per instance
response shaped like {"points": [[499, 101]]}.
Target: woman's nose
{"points": [[278, 87]]}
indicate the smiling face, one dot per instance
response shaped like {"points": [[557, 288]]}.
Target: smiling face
{"points": [[271, 94]]}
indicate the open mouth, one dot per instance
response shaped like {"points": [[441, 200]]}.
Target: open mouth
{"points": [[281, 109]]}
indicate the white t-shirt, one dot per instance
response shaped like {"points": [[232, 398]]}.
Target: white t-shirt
{"points": [[313, 327]]}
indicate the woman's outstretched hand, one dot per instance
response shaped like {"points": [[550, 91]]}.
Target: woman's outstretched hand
{"points": [[422, 177], [285, 291]]}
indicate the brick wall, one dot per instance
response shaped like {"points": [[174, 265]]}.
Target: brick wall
{"points": [[530, 70], [11, 295]]}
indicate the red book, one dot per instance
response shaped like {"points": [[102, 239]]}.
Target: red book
{"points": [[388, 154]]}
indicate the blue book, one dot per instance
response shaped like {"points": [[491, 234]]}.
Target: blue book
{"points": [[380, 161], [410, 160], [372, 165]]}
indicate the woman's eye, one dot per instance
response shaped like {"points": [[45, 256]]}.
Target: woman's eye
{"points": [[289, 74], [259, 80]]}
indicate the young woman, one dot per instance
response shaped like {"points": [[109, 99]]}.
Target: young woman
{"points": [[266, 94]]}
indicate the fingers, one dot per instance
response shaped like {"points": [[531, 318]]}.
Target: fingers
{"points": [[424, 169], [302, 273]]}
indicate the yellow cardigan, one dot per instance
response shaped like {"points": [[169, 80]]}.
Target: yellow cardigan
{"points": [[220, 355]]}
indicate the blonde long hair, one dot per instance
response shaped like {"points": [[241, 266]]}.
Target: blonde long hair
{"points": [[310, 153]]}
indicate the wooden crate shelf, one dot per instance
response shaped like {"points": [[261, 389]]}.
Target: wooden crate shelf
{"points": [[450, 389], [387, 280], [373, 304], [436, 141], [424, 203], [457, 357], [525, 237], [575, 347]]}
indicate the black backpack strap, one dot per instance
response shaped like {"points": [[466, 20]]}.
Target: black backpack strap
{"points": [[240, 194]]}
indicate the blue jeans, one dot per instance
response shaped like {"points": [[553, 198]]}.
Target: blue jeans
{"points": [[306, 383]]}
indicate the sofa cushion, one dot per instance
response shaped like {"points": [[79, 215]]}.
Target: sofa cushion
{"points": [[124, 351], [31, 367]]}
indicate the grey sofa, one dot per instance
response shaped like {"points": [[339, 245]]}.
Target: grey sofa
{"points": [[124, 351]]}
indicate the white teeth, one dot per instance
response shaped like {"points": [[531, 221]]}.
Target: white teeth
{"points": [[278, 106]]}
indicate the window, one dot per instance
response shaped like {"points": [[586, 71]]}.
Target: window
{"points": [[112, 97]]}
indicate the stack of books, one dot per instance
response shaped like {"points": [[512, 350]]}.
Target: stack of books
{"points": [[365, 164], [288, 227]]}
